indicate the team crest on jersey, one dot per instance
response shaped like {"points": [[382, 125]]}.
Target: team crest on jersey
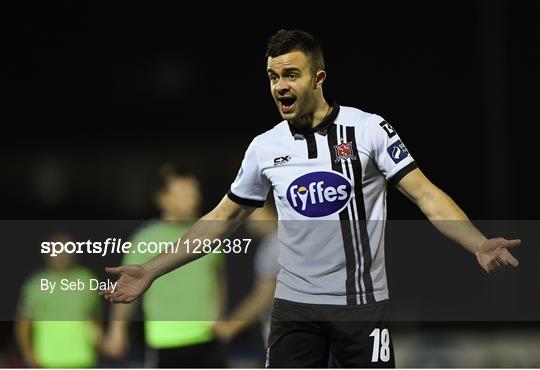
{"points": [[344, 151]]}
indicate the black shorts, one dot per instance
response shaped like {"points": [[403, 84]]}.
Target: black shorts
{"points": [[308, 335]]}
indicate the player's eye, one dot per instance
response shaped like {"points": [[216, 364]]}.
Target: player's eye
{"points": [[292, 76], [273, 78]]}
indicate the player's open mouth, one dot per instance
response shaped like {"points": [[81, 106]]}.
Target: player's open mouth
{"points": [[287, 104]]}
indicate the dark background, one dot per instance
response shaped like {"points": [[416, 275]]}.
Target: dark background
{"points": [[99, 94]]}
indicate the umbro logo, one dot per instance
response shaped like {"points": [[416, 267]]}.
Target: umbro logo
{"points": [[282, 160]]}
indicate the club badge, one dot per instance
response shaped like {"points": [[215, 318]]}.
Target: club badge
{"points": [[344, 151]]}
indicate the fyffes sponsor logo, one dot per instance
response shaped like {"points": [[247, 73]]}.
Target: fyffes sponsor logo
{"points": [[319, 194]]}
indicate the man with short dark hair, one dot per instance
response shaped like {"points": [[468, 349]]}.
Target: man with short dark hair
{"points": [[177, 335], [328, 166]]}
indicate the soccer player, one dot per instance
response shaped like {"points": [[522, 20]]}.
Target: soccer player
{"points": [[177, 334], [328, 166]]}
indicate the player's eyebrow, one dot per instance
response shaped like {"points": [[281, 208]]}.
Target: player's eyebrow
{"points": [[285, 70], [291, 69]]}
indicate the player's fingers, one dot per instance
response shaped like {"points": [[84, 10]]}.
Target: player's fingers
{"points": [[494, 264], [501, 261], [510, 259], [512, 243], [128, 299], [114, 270], [115, 295], [120, 298], [513, 261], [114, 300], [105, 293]]}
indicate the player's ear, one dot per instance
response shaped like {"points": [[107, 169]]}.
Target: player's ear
{"points": [[320, 76]]}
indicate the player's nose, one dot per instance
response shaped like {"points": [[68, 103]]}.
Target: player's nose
{"points": [[281, 87]]}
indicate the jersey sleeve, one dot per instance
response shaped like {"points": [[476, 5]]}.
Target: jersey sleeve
{"points": [[389, 151], [250, 187]]}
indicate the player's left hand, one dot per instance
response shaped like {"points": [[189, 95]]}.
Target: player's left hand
{"points": [[494, 254]]}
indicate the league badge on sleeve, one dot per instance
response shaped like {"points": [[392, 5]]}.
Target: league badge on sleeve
{"points": [[344, 151], [397, 151], [388, 129]]}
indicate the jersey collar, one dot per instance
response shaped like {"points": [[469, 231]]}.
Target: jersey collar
{"points": [[322, 127]]}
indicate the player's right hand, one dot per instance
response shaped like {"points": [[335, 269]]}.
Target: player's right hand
{"points": [[133, 282]]}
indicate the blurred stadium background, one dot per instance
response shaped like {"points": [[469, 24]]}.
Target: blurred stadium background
{"points": [[99, 95]]}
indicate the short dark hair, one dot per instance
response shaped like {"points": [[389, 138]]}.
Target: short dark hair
{"points": [[168, 172], [286, 41]]}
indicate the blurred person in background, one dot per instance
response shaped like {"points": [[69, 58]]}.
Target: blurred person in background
{"points": [[59, 329], [258, 303], [178, 311]]}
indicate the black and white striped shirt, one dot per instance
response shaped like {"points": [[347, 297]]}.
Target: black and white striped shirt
{"points": [[329, 185]]}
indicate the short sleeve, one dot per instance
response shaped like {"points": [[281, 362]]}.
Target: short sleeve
{"points": [[390, 153], [250, 187]]}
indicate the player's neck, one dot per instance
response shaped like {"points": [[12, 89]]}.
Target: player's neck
{"points": [[322, 111], [312, 119]]}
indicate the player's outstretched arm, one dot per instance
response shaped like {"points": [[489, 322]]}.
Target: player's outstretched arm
{"points": [[136, 279], [449, 219]]}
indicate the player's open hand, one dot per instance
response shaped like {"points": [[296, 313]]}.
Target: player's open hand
{"points": [[133, 282], [494, 254]]}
